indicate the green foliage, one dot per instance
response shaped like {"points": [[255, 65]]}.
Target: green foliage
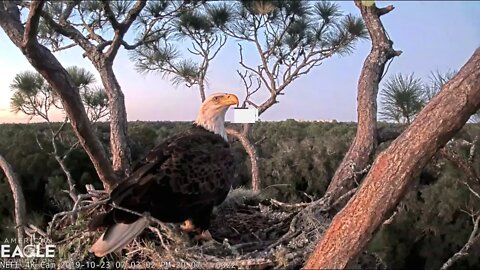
{"points": [[433, 220], [305, 26], [296, 159], [81, 77], [219, 14], [402, 97], [199, 24], [32, 95], [435, 82]]}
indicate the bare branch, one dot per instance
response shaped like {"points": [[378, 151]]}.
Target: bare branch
{"points": [[473, 148], [122, 29], [64, 47], [464, 251], [385, 10], [110, 15], [252, 152], [68, 10], [70, 32], [460, 163], [18, 199], [31, 27], [248, 85]]}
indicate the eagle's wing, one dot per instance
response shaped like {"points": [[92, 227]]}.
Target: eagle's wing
{"points": [[191, 170]]}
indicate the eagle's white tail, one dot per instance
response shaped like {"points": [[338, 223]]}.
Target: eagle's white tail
{"points": [[118, 236]]}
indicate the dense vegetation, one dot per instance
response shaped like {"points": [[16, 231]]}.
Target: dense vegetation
{"points": [[297, 161]]}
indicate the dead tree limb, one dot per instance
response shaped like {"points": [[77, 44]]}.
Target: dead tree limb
{"points": [[18, 199], [363, 146], [464, 251], [395, 169], [252, 153]]}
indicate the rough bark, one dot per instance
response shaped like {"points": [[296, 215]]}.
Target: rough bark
{"points": [[120, 149], [51, 69], [395, 169], [365, 142], [18, 199], [252, 153]]}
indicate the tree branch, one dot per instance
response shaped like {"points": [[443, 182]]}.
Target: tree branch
{"points": [[18, 199], [464, 251], [364, 145], [110, 15], [71, 32], [396, 168], [68, 10], [122, 29], [460, 163], [31, 27], [48, 66], [385, 10]]}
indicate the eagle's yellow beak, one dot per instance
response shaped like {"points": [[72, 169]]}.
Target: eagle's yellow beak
{"points": [[230, 99]]}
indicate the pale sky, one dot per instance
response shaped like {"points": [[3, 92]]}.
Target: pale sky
{"points": [[432, 35]]}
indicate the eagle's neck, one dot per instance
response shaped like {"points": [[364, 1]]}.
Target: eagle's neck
{"points": [[213, 120]]}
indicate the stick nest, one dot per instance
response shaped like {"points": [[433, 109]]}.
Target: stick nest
{"points": [[249, 231]]}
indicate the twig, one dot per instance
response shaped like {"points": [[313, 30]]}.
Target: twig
{"points": [[73, 212], [288, 205], [473, 148], [464, 251], [160, 236]]}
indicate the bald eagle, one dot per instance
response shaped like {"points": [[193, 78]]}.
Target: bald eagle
{"points": [[180, 180]]}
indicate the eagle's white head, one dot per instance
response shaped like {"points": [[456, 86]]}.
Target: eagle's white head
{"points": [[211, 115]]}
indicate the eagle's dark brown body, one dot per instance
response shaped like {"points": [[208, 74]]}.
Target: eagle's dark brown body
{"points": [[182, 178]]}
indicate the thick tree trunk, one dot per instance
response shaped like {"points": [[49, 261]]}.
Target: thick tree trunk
{"points": [[120, 149], [252, 153], [395, 169], [46, 64], [363, 146], [18, 199]]}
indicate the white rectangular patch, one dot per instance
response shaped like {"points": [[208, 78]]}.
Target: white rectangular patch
{"points": [[245, 115]]}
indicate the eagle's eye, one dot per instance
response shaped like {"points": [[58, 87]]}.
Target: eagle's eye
{"points": [[216, 98]]}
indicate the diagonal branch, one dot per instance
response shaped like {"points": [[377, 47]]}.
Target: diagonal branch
{"points": [[464, 251], [110, 15], [122, 29], [31, 27], [71, 32]]}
